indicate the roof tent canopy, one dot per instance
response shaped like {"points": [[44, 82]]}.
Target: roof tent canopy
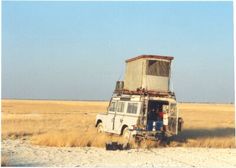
{"points": [[151, 72]]}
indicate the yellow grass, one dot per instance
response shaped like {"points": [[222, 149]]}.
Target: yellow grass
{"points": [[74, 138], [71, 123]]}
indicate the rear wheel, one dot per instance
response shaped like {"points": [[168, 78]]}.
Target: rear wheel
{"points": [[165, 139], [126, 133], [100, 128]]}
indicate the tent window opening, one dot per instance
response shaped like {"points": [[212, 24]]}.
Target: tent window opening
{"points": [[158, 68]]}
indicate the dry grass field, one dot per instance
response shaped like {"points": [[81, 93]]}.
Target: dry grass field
{"points": [[71, 123]]}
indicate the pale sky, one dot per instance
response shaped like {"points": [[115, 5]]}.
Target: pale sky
{"points": [[77, 50]]}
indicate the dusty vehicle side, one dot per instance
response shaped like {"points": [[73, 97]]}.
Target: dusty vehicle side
{"points": [[121, 116]]}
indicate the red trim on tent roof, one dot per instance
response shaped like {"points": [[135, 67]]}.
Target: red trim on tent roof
{"points": [[150, 56]]}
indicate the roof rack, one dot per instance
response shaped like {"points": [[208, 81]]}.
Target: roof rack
{"points": [[146, 93]]}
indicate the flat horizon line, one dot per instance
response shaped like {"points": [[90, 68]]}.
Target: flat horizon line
{"points": [[108, 100]]}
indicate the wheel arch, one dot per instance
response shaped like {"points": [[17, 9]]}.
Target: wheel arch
{"points": [[98, 122], [122, 128]]}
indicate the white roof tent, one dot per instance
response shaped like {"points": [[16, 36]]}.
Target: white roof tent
{"points": [[148, 73]]}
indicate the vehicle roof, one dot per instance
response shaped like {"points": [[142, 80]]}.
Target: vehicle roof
{"points": [[150, 57]]}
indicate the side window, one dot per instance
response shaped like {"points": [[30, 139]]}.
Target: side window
{"points": [[112, 106], [120, 107], [132, 108]]}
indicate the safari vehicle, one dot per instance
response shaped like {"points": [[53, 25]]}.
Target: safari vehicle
{"points": [[144, 90]]}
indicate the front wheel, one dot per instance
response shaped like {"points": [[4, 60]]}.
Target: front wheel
{"points": [[100, 128]]}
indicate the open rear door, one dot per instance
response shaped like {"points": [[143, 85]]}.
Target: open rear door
{"points": [[173, 118]]}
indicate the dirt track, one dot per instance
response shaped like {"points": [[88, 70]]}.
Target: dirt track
{"points": [[21, 153]]}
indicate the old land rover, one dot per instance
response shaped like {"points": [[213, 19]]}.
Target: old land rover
{"points": [[142, 106]]}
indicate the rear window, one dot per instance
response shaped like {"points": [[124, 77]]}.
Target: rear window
{"points": [[158, 68], [132, 108]]}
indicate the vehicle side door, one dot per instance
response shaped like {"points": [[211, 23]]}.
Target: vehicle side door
{"points": [[119, 116], [132, 114], [109, 123]]}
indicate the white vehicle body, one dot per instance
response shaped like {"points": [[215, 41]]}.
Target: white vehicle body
{"points": [[128, 111]]}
